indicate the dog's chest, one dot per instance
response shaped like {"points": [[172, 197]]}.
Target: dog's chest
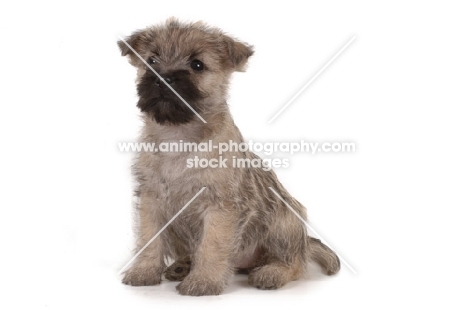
{"points": [[167, 168]]}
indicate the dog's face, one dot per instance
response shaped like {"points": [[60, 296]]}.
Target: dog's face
{"points": [[195, 60]]}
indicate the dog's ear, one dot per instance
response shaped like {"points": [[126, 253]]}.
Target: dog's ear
{"points": [[238, 53], [137, 41]]}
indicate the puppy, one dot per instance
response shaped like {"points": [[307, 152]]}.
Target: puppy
{"points": [[237, 223]]}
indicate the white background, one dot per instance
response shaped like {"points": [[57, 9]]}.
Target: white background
{"points": [[394, 209]]}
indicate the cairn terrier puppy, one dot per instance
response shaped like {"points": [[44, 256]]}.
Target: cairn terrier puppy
{"points": [[236, 224]]}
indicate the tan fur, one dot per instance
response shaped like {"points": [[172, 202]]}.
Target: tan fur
{"points": [[237, 223]]}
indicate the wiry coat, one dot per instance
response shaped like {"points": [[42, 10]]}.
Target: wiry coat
{"points": [[237, 222]]}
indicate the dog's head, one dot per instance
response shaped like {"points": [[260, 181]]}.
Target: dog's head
{"points": [[194, 60]]}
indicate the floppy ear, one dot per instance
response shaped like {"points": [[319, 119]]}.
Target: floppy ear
{"points": [[137, 41], [238, 53]]}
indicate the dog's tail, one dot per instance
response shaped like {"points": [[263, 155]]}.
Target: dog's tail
{"points": [[323, 255]]}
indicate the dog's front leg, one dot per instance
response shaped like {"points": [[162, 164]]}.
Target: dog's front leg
{"points": [[211, 266], [149, 265]]}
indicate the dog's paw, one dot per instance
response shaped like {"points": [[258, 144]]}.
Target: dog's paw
{"points": [[199, 286], [267, 277], [178, 270], [142, 276]]}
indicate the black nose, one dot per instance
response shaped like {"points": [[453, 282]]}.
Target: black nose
{"points": [[169, 80]]}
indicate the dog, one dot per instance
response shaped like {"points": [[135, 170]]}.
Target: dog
{"points": [[236, 224]]}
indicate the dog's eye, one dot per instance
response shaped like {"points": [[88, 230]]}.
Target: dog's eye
{"points": [[196, 65], [152, 60]]}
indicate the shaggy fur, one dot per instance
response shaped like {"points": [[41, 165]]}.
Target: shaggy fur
{"points": [[237, 223]]}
